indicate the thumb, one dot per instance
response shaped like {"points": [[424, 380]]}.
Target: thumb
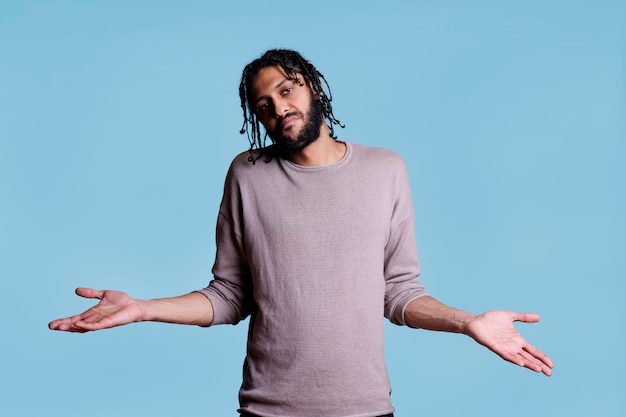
{"points": [[89, 293], [527, 317]]}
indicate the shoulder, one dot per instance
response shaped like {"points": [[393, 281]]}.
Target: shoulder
{"points": [[243, 160], [252, 164], [377, 157]]}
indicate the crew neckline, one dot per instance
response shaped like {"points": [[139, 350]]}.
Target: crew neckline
{"points": [[346, 156]]}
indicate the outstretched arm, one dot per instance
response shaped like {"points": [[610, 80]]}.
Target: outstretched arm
{"points": [[493, 329], [117, 308]]}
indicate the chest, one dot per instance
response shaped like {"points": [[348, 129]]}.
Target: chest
{"points": [[323, 208]]}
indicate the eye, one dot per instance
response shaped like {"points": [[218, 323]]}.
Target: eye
{"points": [[287, 91], [264, 106]]}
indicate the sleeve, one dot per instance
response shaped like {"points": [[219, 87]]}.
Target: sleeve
{"points": [[402, 266], [230, 291]]}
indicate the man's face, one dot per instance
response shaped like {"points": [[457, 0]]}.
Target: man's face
{"points": [[291, 115]]}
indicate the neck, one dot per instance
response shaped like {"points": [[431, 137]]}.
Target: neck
{"points": [[324, 151]]}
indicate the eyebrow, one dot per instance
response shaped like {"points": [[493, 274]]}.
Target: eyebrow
{"points": [[277, 86]]}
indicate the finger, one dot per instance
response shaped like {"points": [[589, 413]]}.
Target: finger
{"points": [[539, 355], [524, 359], [89, 293], [65, 325], [531, 362], [101, 324], [69, 323], [547, 371], [512, 357], [527, 317], [54, 324], [91, 317], [541, 364]]}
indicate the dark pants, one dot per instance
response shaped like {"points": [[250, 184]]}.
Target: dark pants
{"points": [[254, 415]]}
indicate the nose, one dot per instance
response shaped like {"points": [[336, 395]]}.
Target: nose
{"points": [[281, 108]]}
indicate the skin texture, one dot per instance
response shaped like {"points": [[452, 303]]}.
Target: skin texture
{"points": [[283, 106], [116, 308], [293, 129], [492, 329]]}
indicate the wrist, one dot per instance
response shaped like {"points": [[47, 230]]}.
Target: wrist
{"points": [[145, 312], [465, 321]]}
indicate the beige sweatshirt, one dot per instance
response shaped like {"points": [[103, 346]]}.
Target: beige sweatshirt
{"points": [[316, 256]]}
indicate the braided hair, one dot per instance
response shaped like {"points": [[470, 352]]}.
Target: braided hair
{"points": [[292, 63]]}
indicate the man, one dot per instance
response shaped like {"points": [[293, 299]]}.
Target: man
{"points": [[315, 242]]}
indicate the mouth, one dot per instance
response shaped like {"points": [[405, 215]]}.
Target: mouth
{"points": [[287, 122]]}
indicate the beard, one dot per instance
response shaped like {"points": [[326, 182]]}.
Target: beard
{"points": [[309, 133]]}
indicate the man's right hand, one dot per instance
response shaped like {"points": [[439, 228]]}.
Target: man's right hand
{"points": [[114, 309]]}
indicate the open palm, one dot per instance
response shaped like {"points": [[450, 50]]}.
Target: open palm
{"points": [[114, 309], [495, 330]]}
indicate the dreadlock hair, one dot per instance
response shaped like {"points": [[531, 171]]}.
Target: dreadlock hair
{"points": [[293, 64]]}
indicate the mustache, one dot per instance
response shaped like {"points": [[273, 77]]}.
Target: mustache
{"points": [[279, 125]]}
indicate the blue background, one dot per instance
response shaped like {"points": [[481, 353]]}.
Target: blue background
{"points": [[118, 121]]}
